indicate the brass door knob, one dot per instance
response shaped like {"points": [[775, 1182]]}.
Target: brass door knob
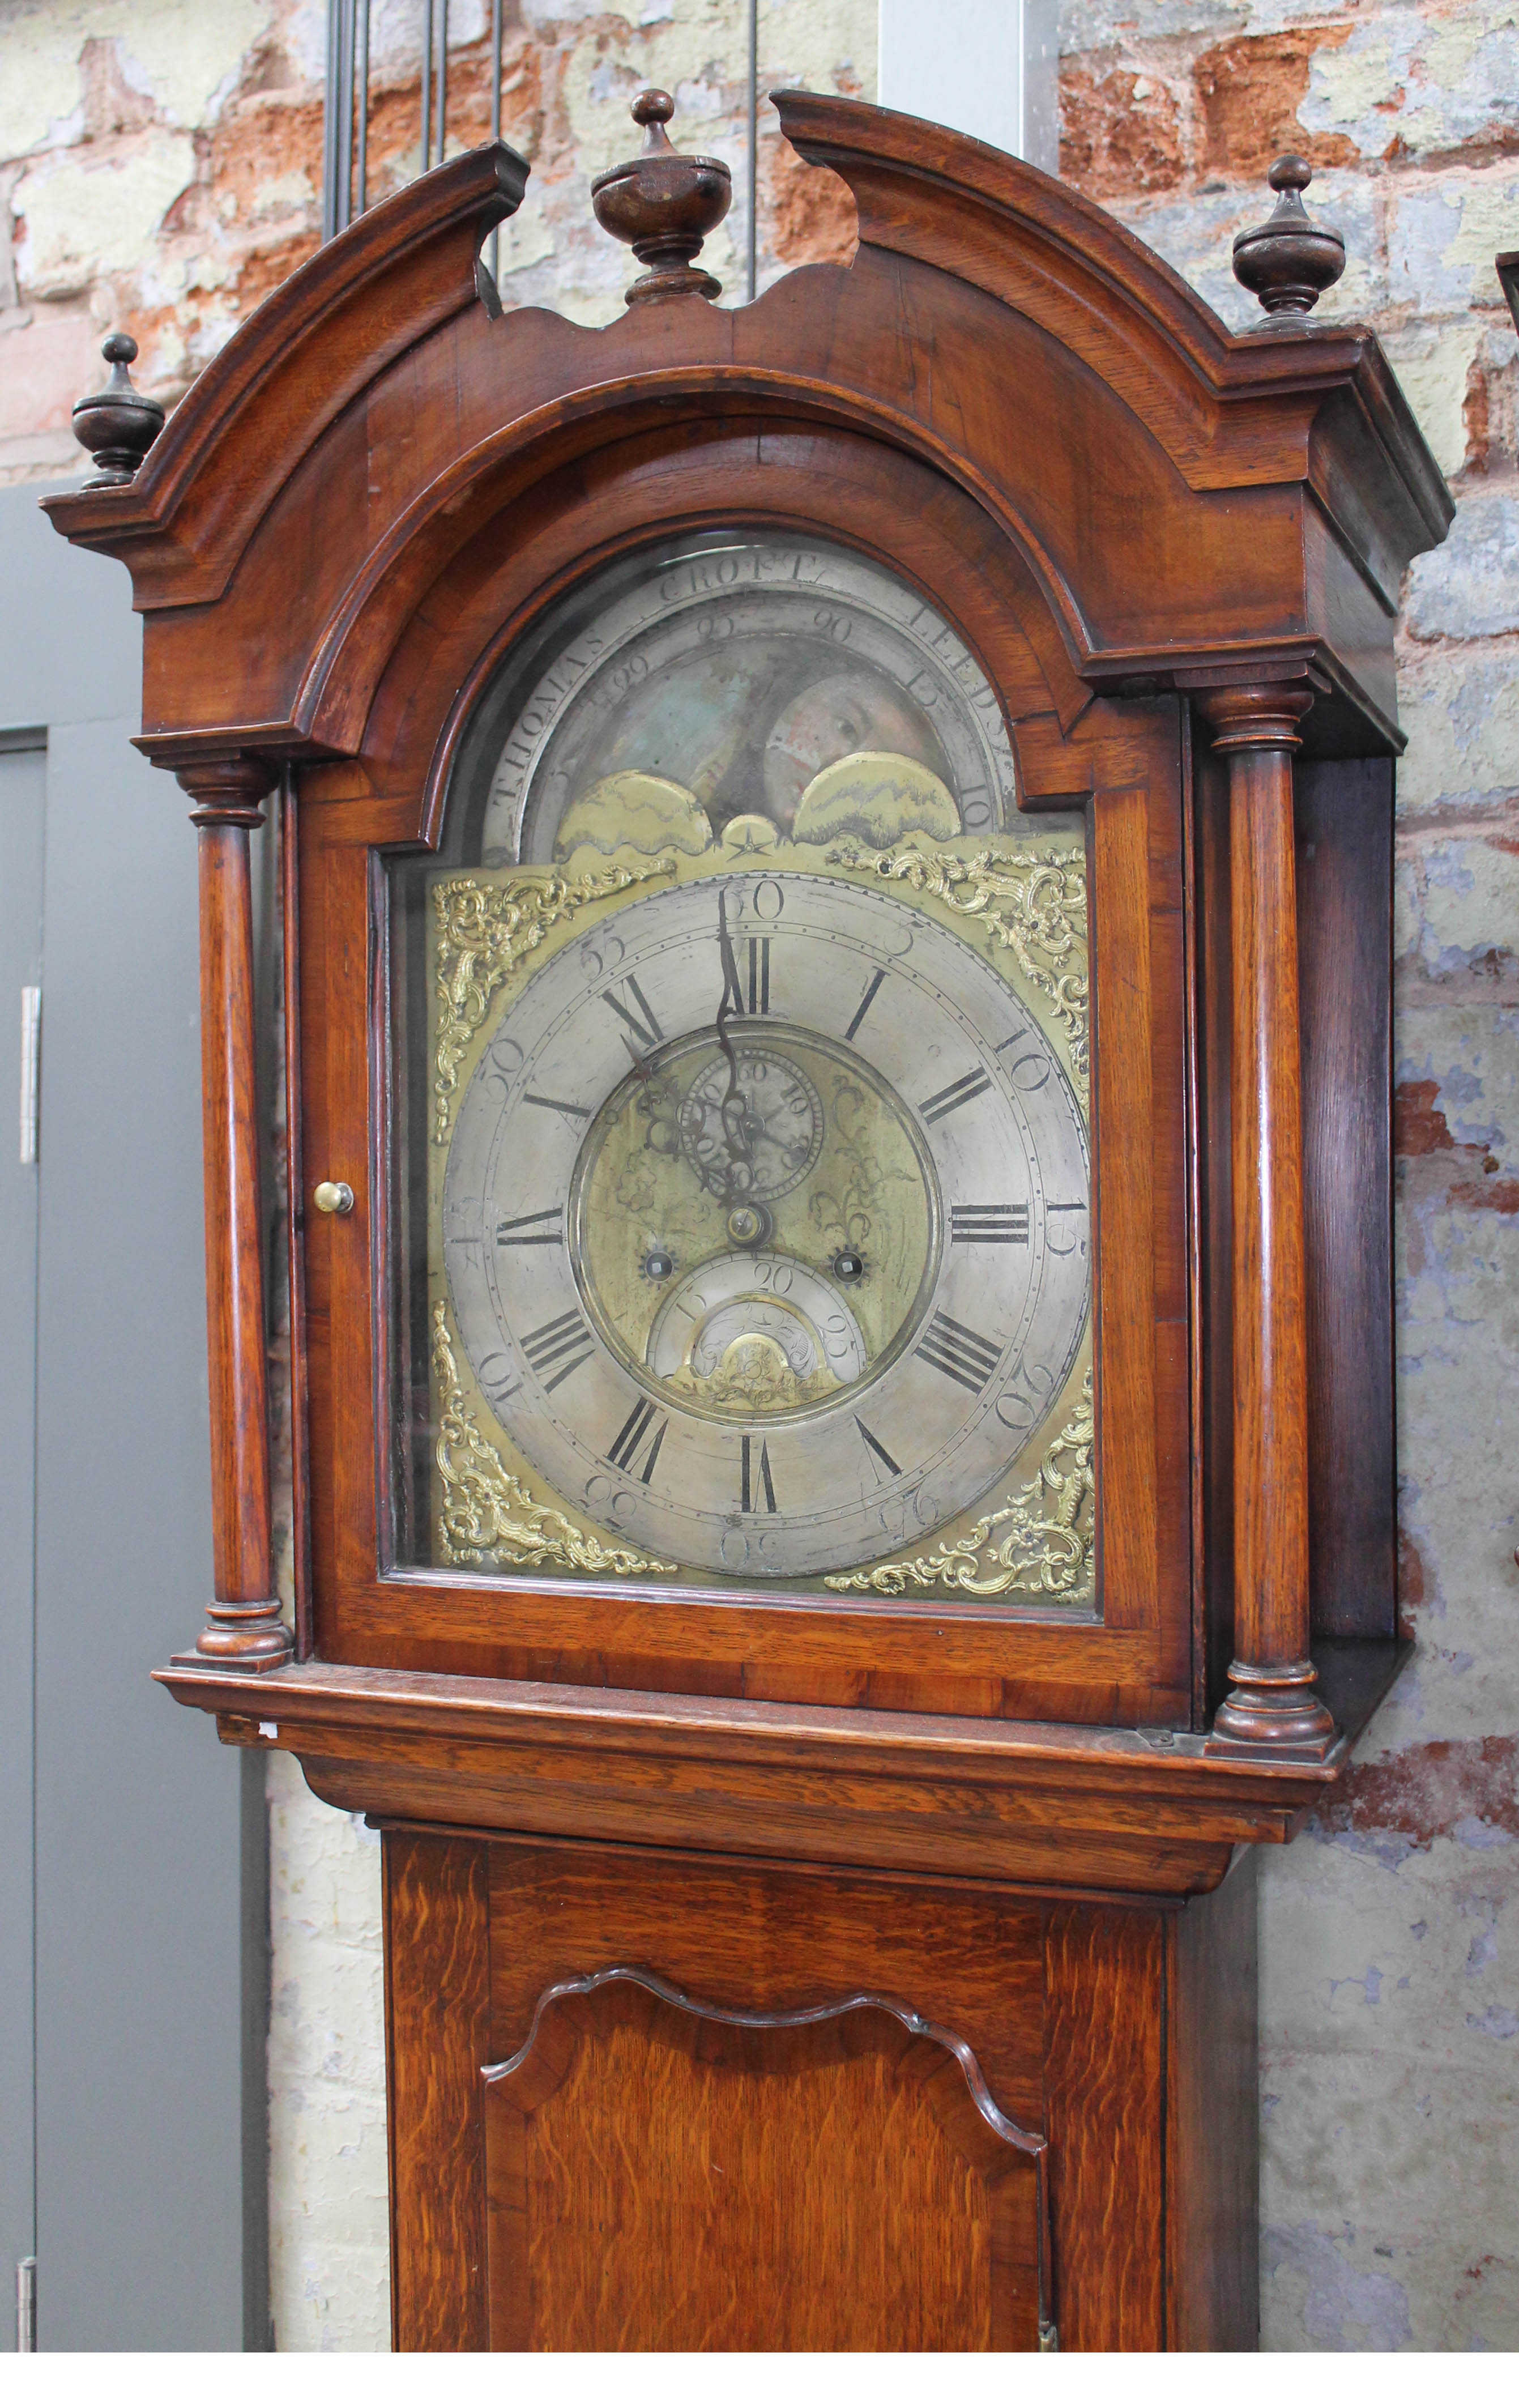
{"points": [[333, 1196]]}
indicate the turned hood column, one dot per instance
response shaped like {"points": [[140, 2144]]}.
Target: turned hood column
{"points": [[243, 1631], [1270, 1701]]}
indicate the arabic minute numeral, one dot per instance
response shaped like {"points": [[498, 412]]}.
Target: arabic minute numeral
{"points": [[1028, 1071], [755, 1478], [961, 1353], [545, 1229], [1026, 1399], [1049, 1211], [960, 1090], [498, 1380], [989, 1225], [559, 1347], [625, 1446]]}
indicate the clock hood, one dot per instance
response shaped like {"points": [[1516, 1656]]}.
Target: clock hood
{"points": [[995, 331]]}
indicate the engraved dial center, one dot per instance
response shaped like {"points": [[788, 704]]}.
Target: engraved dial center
{"points": [[755, 1167]]}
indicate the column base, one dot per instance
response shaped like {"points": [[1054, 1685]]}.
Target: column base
{"points": [[1271, 1709], [242, 1638]]}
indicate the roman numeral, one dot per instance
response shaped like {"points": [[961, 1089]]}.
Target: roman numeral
{"points": [[552, 1104], [647, 1032], [989, 1225], [532, 1228], [560, 1346], [734, 989], [867, 999], [877, 1450], [631, 1436], [962, 1091], [755, 1479], [961, 1353]]}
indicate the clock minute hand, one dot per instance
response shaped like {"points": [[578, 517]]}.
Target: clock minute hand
{"points": [[733, 1108], [733, 1114]]}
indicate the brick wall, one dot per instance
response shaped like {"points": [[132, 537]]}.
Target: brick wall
{"points": [[1390, 1934], [160, 164]]}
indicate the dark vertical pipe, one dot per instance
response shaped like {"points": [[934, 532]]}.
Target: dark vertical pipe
{"points": [[342, 107], [427, 86], [754, 146], [442, 80], [495, 124], [361, 78], [329, 121]]}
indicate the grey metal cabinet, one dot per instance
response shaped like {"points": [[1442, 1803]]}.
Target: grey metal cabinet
{"points": [[132, 1891]]}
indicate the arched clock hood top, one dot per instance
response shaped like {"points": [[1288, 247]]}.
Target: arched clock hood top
{"points": [[302, 479]]}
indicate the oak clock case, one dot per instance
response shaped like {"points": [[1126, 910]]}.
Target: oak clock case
{"points": [[745, 1168], [836, 879]]}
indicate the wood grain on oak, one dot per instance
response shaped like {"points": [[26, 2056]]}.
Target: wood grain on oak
{"points": [[438, 1973], [660, 2180], [1010, 1821], [1104, 2074], [1212, 2270]]}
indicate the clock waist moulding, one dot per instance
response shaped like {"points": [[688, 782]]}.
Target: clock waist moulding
{"points": [[860, 1951]]}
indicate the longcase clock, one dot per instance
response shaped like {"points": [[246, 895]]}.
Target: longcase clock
{"points": [[837, 870]]}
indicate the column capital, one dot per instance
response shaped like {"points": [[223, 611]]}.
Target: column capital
{"points": [[1255, 718], [228, 789]]}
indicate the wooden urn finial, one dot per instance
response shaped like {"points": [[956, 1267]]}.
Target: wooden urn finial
{"points": [[664, 203], [117, 427], [1291, 259]]}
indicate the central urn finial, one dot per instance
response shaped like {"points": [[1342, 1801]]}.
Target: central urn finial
{"points": [[1291, 260], [664, 203]]}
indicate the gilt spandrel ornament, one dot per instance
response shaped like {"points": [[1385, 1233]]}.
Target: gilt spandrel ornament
{"points": [[1033, 902], [487, 1514], [484, 929], [1039, 1543]]}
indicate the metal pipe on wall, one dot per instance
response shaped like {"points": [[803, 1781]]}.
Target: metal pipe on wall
{"points": [[442, 80], [361, 77], [345, 154], [496, 124], [428, 89], [754, 149]]}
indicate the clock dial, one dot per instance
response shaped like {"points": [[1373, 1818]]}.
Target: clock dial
{"points": [[757, 1190], [758, 1294]]}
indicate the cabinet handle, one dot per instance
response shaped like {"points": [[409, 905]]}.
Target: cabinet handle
{"points": [[334, 1195], [31, 1065]]}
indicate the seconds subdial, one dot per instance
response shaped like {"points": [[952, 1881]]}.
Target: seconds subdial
{"points": [[751, 1124]]}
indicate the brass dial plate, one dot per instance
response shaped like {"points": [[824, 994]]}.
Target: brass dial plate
{"points": [[759, 1195]]}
